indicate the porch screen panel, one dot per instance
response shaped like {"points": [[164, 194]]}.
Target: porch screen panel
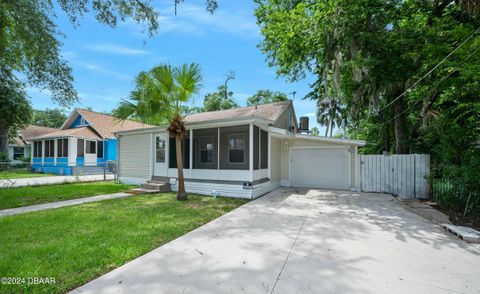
{"points": [[62, 147], [80, 149], [264, 150], [100, 149], [234, 147], [205, 148], [172, 153]]}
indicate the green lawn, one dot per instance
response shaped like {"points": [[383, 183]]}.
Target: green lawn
{"points": [[20, 173], [23, 196], [79, 243]]}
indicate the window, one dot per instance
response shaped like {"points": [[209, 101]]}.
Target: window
{"points": [[82, 121], [160, 149], [100, 149], [37, 149], [18, 153], [80, 150], [206, 149], [236, 148], [91, 147], [62, 147], [49, 148]]}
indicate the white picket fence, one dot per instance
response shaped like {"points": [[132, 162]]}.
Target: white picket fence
{"points": [[400, 175]]}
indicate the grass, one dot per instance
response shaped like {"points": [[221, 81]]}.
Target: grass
{"points": [[20, 174], [79, 243], [23, 196]]}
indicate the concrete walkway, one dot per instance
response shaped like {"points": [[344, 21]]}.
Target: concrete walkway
{"points": [[13, 183], [305, 241], [38, 207]]}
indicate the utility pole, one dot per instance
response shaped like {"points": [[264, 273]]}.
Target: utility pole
{"points": [[229, 76], [293, 94]]}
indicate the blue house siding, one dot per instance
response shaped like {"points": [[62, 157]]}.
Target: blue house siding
{"points": [[61, 168], [77, 123], [110, 149]]}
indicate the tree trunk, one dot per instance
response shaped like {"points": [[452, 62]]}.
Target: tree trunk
{"points": [[3, 140], [181, 193], [399, 125], [326, 131], [331, 130]]}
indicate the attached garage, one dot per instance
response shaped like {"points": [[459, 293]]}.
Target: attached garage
{"points": [[320, 162], [321, 168]]}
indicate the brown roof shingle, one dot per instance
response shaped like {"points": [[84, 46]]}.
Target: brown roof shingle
{"points": [[266, 111], [82, 132], [31, 131], [106, 124]]}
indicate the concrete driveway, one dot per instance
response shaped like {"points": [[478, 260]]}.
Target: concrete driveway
{"points": [[306, 241]]}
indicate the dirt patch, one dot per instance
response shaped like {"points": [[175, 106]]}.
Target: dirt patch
{"points": [[457, 217]]}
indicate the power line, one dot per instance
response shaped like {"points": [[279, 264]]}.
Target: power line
{"points": [[430, 71], [445, 78]]}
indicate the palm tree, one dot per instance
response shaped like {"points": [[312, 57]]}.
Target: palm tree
{"points": [[329, 113], [159, 98]]}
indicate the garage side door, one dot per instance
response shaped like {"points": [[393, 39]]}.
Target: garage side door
{"points": [[320, 168]]}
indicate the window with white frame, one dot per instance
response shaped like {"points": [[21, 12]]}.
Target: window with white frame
{"points": [[18, 153], [159, 149], [206, 149], [236, 148], [91, 147]]}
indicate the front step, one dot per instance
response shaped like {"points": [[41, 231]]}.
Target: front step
{"points": [[156, 186]]}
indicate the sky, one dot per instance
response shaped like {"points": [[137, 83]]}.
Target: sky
{"points": [[105, 60]]}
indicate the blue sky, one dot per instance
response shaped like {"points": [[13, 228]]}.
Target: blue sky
{"points": [[105, 60]]}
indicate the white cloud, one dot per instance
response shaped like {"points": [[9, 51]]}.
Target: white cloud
{"points": [[309, 114], [116, 49], [102, 70], [195, 20]]}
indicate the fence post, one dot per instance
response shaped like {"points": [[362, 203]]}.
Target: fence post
{"points": [[104, 170]]}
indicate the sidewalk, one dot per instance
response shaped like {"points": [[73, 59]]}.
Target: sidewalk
{"points": [[38, 207], [14, 183]]}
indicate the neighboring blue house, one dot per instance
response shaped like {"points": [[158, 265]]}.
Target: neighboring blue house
{"points": [[83, 144]]}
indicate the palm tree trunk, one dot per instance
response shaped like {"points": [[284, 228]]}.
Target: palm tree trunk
{"points": [[326, 130], [330, 123], [181, 193]]}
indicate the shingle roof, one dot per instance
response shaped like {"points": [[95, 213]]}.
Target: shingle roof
{"points": [[31, 131], [266, 111], [105, 124], [82, 132]]}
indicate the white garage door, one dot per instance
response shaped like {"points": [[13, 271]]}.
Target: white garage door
{"points": [[320, 168]]}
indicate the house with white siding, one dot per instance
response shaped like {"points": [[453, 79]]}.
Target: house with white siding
{"points": [[243, 152]]}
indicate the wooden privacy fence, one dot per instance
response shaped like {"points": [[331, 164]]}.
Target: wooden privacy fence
{"points": [[400, 175]]}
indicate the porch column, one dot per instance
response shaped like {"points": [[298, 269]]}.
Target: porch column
{"points": [[250, 151], [218, 148], [43, 152], [269, 155], [55, 152], [191, 152]]}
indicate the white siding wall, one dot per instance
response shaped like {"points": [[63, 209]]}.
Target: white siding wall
{"points": [[135, 158], [276, 160]]}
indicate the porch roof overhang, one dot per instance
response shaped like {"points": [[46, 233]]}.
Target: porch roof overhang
{"points": [[234, 121], [281, 133], [83, 133]]}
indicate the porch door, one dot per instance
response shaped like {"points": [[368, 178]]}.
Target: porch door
{"points": [[90, 152], [160, 155]]}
